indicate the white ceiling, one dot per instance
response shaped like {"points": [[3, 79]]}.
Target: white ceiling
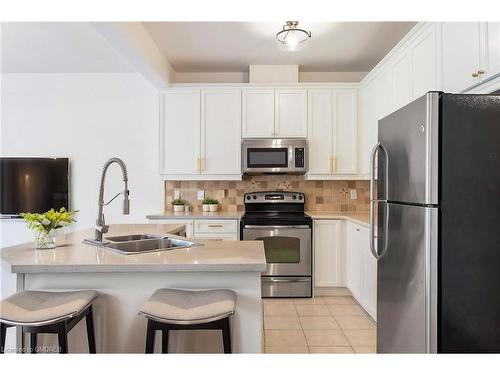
{"points": [[232, 46], [58, 47]]}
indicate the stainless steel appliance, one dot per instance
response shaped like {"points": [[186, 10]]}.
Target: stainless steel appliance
{"points": [[278, 219], [438, 200], [272, 155]]}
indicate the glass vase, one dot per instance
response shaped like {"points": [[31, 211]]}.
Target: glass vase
{"points": [[45, 240]]}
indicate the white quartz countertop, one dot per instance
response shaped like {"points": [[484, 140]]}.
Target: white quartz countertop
{"points": [[361, 218], [196, 215], [71, 255]]}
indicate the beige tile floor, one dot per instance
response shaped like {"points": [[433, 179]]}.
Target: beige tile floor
{"points": [[328, 324]]}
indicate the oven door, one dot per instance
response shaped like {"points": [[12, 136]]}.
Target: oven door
{"points": [[287, 248]]}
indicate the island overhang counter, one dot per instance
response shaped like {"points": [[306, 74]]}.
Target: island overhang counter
{"points": [[125, 282]]}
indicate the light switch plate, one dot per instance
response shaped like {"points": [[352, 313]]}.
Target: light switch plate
{"points": [[354, 194], [177, 194], [200, 195]]}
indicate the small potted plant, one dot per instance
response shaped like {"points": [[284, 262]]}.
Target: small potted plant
{"points": [[206, 204], [214, 205], [210, 205], [44, 225], [178, 205]]}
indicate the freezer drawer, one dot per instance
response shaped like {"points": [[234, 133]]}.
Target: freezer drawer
{"points": [[406, 285]]}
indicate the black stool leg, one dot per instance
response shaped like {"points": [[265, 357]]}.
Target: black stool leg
{"points": [[3, 333], [164, 341], [150, 337], [226, 336], [33, 342], [89, 321], [62, 338]]}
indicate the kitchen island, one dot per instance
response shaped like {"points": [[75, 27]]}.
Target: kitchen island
{"points": [[125, 282]]}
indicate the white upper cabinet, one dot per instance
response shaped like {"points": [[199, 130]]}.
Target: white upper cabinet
{"points": [[180, 132], [332, 132], [258, 113], [201, 134], [320, 132], [464, 54], [493, 32], [345, 134], [401, 80], [221, 132], [426, 68], [290, 113]]}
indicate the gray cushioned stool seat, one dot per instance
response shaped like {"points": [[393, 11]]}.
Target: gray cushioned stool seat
{"points": [[189, 307], [37, 308]]}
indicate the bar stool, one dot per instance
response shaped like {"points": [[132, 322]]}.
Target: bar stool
{"points": [[48, 312], [176, 309]]}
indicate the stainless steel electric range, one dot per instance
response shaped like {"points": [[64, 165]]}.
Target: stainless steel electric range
{"points": [[278, 219]]}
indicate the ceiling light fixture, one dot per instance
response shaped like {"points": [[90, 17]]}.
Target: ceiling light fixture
{"points": [[291, 38]]}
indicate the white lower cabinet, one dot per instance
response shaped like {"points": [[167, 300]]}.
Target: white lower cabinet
{"points": [[328, 257], [342, 258], [361, 268], [208, 229]]}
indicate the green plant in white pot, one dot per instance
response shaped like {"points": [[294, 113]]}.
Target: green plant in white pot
{"points": [[45, 224], [178, 205], [210, 205]]}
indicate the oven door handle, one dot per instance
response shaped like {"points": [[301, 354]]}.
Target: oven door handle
{"points": [[287, 280], [276, 226]]}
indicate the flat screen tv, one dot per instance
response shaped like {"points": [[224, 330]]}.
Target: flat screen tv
{"points": [[33, 185]]}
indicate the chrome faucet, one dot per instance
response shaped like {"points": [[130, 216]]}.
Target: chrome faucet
{"points": [[100, 225]]}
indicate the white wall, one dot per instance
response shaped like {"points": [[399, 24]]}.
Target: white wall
{"points": [[88, 118], [242, 77]]}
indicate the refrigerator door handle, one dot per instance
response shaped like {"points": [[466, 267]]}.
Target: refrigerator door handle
{"points": [[374, 200]]}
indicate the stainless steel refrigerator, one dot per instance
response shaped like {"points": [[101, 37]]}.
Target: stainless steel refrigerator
{"points": [[435, 225]]}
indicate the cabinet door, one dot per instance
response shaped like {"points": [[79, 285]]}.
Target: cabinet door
{"points": [[320, 131], [290, 113], [354, 265], [180, 128], [401, 81], [461, 55], [383, 94], [369, 272], [345, 133], [327, 253], [258, 113], [493, 33], [221, 132], [369, 131], [424, 63]]}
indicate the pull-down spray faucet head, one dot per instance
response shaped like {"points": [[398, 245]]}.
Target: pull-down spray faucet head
{"points": [[126, 201]]}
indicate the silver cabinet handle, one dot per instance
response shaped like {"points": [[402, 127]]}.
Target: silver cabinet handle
{"points": [[215, 225], [374, 201]]}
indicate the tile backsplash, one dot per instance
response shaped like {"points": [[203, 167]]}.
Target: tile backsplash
{"points": [[320, 195]]}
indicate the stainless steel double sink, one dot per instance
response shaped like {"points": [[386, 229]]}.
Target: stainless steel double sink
{"points": [[141, 243]]}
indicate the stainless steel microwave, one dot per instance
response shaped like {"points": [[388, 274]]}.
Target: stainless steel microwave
{"points": [[274, 155]]}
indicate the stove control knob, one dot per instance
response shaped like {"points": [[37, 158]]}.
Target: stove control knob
{"points": [[294, 196], [300, 197], [254, 197], [248, 197]]}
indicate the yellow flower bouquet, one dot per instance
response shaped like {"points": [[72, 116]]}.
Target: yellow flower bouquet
{"points": [[44, 224]]}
